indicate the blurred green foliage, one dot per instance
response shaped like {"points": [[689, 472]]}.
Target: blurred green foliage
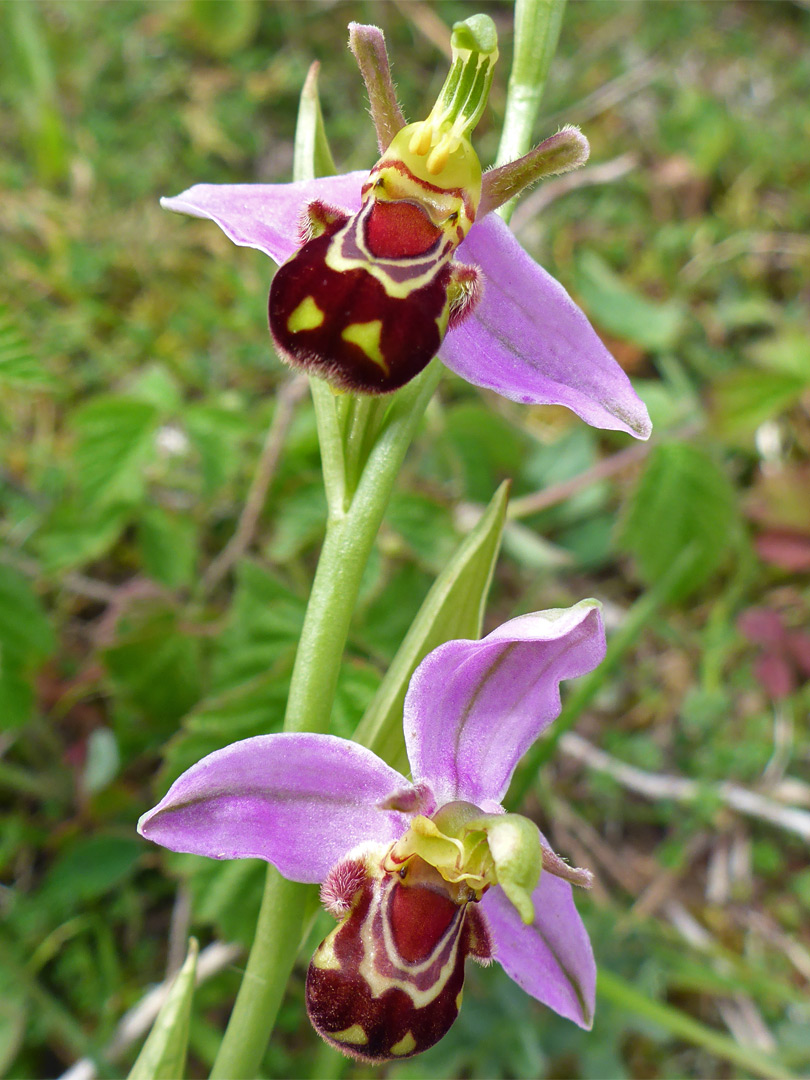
{"points": [[137, 384]]}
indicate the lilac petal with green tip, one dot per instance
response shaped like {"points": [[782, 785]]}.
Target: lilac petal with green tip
{"points": [[474, 708], [299, 801], [266, 216], [551, 959], [530, 342]]}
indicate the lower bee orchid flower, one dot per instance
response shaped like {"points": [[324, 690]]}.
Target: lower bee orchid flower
{"points": [[381, 271], [420, 873]]}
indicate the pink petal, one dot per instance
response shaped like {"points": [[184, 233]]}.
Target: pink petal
{"points": [[266, 216], [776, 676], [300, 802], [528, 340], [552, 959], [473, 708], [761, 625]]}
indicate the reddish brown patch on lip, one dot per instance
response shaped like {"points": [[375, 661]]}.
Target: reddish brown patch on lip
{"points": [[419, 917], [399, 230]]}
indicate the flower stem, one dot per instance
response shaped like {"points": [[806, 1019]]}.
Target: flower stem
{"points": [[346, 548], [537, 30], [350, 534], [272, 955]]}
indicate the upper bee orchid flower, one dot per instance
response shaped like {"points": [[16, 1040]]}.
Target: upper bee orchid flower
{"points": [[421, 873], [381, 271]]}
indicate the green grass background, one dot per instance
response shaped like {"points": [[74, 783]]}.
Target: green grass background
{"points": [[137, 382]]}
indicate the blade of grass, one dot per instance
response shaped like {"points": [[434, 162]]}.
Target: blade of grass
{"points": [[614, 989]]}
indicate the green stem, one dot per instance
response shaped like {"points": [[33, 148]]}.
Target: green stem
{"points": [[346, 548], [537, 30], [279, 931], [615, 990], [330, 440]]}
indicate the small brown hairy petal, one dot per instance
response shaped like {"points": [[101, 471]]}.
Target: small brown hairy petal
{"points": [[341, 885]]}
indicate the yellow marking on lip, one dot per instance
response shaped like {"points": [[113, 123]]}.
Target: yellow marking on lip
{"points": [[325, 958], [307, 316], [459, 996], [353, 1035], [366, 336], [405, 1045]]}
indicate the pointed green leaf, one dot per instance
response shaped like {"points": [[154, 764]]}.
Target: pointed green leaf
{"points": [[115, 440], [454, 608], [163, 1056], [682, 499], [312, 154], [18, 364], [168, 543], [25, 630]]}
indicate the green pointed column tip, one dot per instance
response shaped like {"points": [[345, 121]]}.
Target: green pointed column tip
{"points": [[463, 97]]}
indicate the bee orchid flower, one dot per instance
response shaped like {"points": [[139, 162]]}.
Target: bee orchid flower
{"points": [[420, 873], [381, 271]]}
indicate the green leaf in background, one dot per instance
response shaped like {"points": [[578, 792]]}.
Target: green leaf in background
{"points": [[16, 693], [454, 608], [13, 1020], [356, 687], [25, 631], [392, 605], [217, 435], [115, 441], [425, 525], [487, 447], [226, 894], [264, 625], [168, 542], [26, 639], [75, 534], [157, 386], [311, 142], [18, 364], [742, 400], [299, 523], [155, 663], [103, 760], [222, 27], [787, 351], [163, 1056], [253, 707], [34, 88], [683, 499], [616, 307], [89, 868], [745, 398]]}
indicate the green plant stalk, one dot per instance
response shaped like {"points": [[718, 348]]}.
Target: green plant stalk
{"points": [[537, 31], [346, 548], [279, 931], [615, 990]]}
